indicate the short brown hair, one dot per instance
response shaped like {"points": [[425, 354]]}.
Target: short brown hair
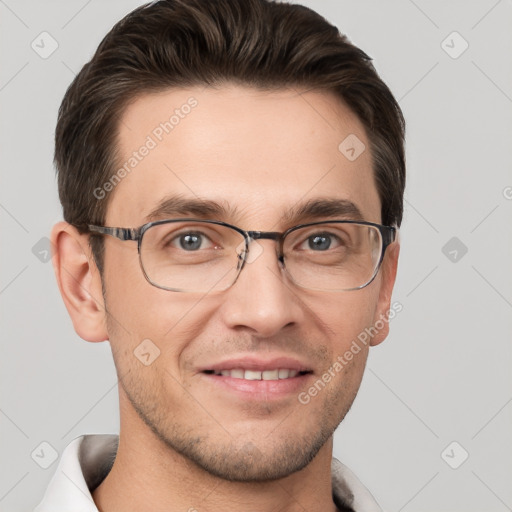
{"points": [[180, 43]]}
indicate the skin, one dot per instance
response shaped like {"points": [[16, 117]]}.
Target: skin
{"points": [[184, 442]]}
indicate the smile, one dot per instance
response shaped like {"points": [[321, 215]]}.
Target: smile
{"points": [[240, 373]]}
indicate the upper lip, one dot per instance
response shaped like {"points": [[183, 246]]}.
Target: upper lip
{"points": [[259, 364]]}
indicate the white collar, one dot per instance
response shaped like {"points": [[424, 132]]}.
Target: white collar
{"points": [[87, 460]]}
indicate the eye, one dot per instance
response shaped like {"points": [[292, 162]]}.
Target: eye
{"points": [[321, 242], [191, 241]]}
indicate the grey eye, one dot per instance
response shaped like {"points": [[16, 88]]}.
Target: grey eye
{"points": [[319, 242], [190, 241]]}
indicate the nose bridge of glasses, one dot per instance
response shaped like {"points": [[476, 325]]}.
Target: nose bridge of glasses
{"points": [[267, 235], [262, 235]]}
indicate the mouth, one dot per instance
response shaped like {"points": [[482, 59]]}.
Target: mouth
{"points": [[256, 379], [270, 374]]}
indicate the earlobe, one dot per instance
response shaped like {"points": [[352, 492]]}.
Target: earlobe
{"points": [[79, 282], [388, 270]]}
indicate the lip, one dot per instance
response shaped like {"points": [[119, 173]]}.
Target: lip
{"points": [[258, 390], [258, 364]]}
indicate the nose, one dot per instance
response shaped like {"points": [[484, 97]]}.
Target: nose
{"points": [[262, 301]]}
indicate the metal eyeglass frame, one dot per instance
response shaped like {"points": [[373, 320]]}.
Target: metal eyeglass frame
{"points": [[388, 236]]}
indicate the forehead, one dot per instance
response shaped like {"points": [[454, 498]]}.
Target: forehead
{"points": [[259, 153]]}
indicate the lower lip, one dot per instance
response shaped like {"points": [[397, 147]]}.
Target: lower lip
{"points": [[259, 389]]}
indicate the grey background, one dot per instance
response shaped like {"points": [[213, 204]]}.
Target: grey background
{"points": [[443, 375]]}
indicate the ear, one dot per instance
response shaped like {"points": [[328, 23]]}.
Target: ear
{"points": [[388, 276], [79, 281]]}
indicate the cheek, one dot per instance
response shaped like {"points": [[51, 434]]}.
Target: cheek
{"points": [[144, 319], [135, 304], [346, 315]]}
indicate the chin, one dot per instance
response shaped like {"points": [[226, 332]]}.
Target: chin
{"points": [[249, 463]]}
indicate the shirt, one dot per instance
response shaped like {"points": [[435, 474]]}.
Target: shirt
{"points": [[87, 460]]}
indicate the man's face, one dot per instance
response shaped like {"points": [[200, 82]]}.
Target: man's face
{"points": [[261, 154]]}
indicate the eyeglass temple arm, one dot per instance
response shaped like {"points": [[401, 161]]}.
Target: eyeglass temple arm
{"points": [[389, 235], [120, 233]]}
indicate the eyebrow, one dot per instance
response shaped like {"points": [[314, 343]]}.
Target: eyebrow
{"points": [[176, 205], [314, 209], [323, 208]]}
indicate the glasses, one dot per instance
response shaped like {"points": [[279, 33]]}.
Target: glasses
{"points": [[192, 255]]}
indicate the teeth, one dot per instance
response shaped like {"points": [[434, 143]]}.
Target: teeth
{"points": [[270, 375], [252, 375], [287, 374], [283, 374], [277, 374]]}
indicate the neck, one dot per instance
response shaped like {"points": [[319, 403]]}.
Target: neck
{"points": [[148, 475]]}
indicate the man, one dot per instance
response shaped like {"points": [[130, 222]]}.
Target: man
{"points": [[232, 177]]}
